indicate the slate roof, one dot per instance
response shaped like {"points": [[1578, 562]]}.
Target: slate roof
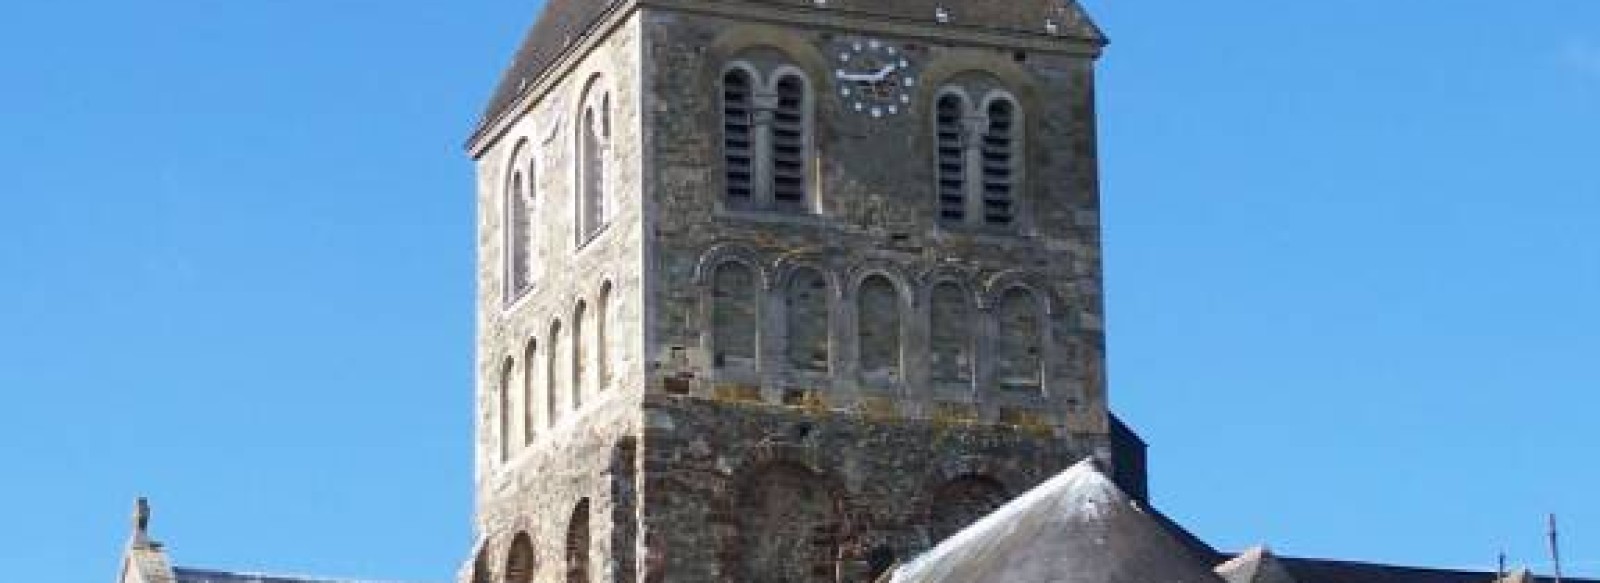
{"points": [[189, 575], [1326, 571], [563, 22], [1078, 527]]}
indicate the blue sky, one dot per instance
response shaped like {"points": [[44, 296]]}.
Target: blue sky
{"points": [[1353, 275]]}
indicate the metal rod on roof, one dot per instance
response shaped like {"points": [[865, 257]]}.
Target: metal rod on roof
{"points": [[1555, 546], [1500, 571]]}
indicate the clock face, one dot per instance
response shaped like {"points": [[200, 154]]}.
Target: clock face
{"points": [[874, 78]]}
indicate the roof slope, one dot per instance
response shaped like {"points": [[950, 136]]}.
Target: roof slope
{"points": [[1325, 571], [188, 575], [563, 22], [1076, 528]]}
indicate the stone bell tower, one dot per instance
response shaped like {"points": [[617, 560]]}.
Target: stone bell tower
{"points": [[781, 290]]}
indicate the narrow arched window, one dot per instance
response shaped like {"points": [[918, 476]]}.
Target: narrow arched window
{"points": [[503, 412], [578, 544], [999, 164], [738, 136], [789, 144], [518, 216], [602, 337], [593, 149], [733, 318], [808, 320], [530, 391], [950, 335], [1019, 362], [553, 376], [579, 351], [878, 331], [520, 559], [951, 157]]}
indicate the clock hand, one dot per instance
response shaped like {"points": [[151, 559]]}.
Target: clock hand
{"points": [[884, 72], [869, 77]]}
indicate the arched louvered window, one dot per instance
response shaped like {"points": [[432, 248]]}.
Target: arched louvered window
{"points": [[789, 144], [530, 391], [738, 136], [579, 352], [593, 151], [553, 376], [503, 407], [999, 164], [951, 158]]}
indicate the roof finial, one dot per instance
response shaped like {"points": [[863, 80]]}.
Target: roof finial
{"points": [[141, 523]]}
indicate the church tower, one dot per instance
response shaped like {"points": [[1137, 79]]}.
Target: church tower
{"points": [[781, 290]]}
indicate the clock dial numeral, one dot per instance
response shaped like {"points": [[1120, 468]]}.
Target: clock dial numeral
{"points": [[874, 77]]}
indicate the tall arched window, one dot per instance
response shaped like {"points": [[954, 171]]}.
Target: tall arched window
{"points": [[579, 351], [1020, 358], [520, 560], [594, 146], [733, 318], [999, 163], [602, 337], [553, 376], [738, 136], [808, 320], [951, 157], [789, 143], [950, 338], [878, 331], [578, 544], [518, 224], [507, 369], [530, 390]]}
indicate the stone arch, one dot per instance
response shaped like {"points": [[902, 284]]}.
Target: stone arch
{"points": [[530, 390], [789, 525], [952, 333], [735, 319], [744, 38], [880, 335], [1002, 282], [1021, 328], [808, 319], [553, 383], [520, 560], [506, 377], [481, 572], [961, 501], [580, 353], [578, 544], [724, 252]]}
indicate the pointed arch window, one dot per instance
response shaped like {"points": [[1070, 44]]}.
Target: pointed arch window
{"points": [[530, 391], [578, 544], [602, 337], [520, 559]]}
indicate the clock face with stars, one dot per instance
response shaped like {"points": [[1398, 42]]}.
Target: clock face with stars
{"points": [[874, 78]]}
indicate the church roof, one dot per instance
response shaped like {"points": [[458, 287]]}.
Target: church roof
{"points": [[188, 575], [1075, 528], [1326, 571], [563, 22]]}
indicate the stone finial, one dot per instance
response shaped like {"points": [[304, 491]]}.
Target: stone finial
{"points": [[141, 523]]}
